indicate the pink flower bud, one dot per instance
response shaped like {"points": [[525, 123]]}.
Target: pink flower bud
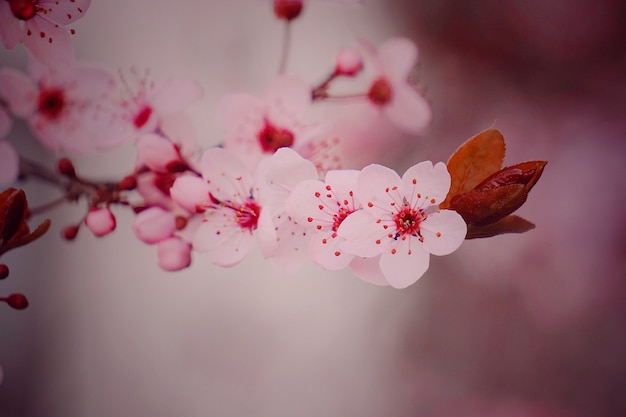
{"points": [[190, 192], [100, 221], [174, 254], [348, 62], [154, 225]]}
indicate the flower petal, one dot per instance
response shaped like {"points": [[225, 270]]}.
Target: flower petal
{"points": [[430, 182], [10, 31], [65, 12], [379, 188], [368, 269], [227, 176], [48, 42], [363, 236], [443, 232], [398, 57], [326, 252], [404, 267], [408, 110], [19, 91], [233, 250], [174, 95]]}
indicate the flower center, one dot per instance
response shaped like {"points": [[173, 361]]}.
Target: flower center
{"points": [[380, 92], [340, 216], [51, 103], [247, 215], [408, 221], [287, 9], [23, 9], [272, 138], [142, 117]]}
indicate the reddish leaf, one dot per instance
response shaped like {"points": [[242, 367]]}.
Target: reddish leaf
{"points": [[475, 160], [508, 224]]}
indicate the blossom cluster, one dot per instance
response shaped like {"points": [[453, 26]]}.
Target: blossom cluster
{"points": [[278, 178]]}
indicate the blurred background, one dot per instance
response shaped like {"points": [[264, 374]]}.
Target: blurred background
{"points": [[513, 326]]}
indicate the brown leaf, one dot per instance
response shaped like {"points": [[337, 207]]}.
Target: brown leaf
{"points": [[508, 224], [476, 159]]}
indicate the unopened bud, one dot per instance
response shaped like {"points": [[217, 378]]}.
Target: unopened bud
{"points": [[348, 62], [16, 301], [100, 221], [66, 167], [4, 271], [70, 232], [287, 9]]}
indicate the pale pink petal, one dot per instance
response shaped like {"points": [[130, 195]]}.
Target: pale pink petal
{"points": [[154, 225], [174, 254], [178, 127], [228, 177], [432, 183], [5, 123], [288, 98], [363, 236], [54, 48], [90, 82], [155, 152], [408, 110], [65, 12], [19, 91], [214, 230], [100, 221], [343, 182], [303, 202], [326, 252], [152, 195], [10, 31], [291, 252], [279, 174], [368, 269], [190, 192], [398, 57], [379, 189], [233, 250], [404, 267], [9, 163], [266, 233], [174, 95], [443, 232], [370, 52], [241, 114]]}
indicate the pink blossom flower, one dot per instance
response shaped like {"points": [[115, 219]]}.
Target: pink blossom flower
{"points": [[285, 241], [64, 108], [257, 127], [174, 254], [401, 222], [324, 206], [155, 104], [231, 207], [100, 221], [391, 91], [40, 26]]}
